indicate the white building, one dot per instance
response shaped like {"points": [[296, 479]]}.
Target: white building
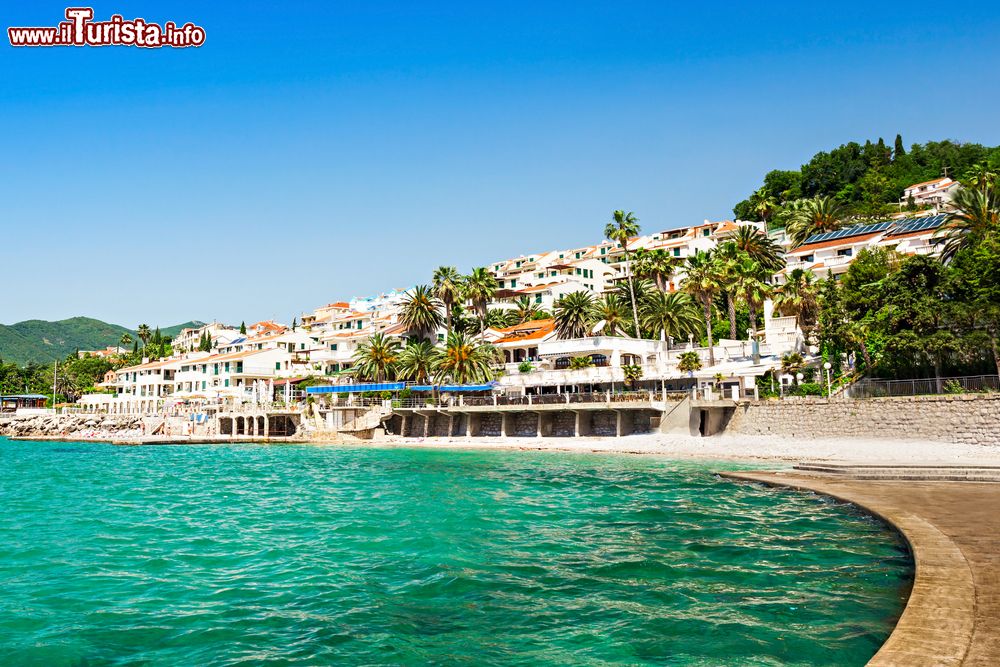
{"points": [[936, 194]]}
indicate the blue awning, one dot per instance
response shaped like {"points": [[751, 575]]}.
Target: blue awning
{"points": [[356, 388], [454, 387]]}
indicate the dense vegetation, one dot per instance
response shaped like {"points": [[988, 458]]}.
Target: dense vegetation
{"points": [[866, 180], [43, 342]]}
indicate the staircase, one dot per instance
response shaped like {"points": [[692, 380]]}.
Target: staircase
{"points": [[905, 472], [369, 420]]}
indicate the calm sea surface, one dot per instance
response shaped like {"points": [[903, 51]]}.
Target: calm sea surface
{"points": [[274, 555]]}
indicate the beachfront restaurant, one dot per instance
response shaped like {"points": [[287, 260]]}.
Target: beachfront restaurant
{"points": [[14, 402]]}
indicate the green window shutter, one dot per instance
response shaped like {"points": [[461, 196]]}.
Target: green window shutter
{"points": [[277, 365]]}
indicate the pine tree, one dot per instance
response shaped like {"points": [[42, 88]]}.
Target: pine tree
{"points": [[899, 149], [243, 328], [294, 323]]}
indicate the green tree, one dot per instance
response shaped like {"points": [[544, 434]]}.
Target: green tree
{"points": [[610, 310], [798, 298], [480, 289], [525, 309], [669, 315], [144, 332], [416, 361], [702, 282], [376, 358], [656, 265], [125, 341], [574, 314], [624, 226], [464, 360], [448, 287], [815, 216], [976, 213], [421, 312], [689, 362], [243, 328], [633, 374]]}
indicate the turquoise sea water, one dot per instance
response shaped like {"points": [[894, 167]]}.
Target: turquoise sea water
{"points": [[274, 555]]}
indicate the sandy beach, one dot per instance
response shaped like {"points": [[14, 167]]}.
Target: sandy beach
{"points": [[735, 448]]}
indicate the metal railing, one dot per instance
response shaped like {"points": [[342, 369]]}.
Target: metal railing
{"points": [[529, 400], [871, 388]]}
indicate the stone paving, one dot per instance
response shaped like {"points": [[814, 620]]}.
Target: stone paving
{"points": [[953, 614]]}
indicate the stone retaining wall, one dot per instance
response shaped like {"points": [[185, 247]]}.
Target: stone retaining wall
{"points": [[968, 418]]}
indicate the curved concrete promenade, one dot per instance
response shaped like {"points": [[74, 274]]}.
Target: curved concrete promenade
{"points": [[953, 529]]}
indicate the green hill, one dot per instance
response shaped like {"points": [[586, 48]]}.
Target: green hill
{"points": [[42, 342], [170, 332]]}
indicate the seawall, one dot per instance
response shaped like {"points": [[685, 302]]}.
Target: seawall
{"points": [[967, 418]]}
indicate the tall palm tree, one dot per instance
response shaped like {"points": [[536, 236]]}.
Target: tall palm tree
{"points": [[976, 212], [464, 360], [416, 361], [144, 332], [125, 341], [726, 259], [656, 265], [671, 314], [525, 309], [611, 310], [701, 281], [376, 358], [480, 288], [421, 312], [763, 204], [574, 314], [622, 227], [798, 297], [750, 284], [814, 216], [759, 247], [448, 287], [980, 177]]}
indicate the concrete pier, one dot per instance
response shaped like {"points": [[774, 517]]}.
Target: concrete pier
{"points": [[953, 529]]}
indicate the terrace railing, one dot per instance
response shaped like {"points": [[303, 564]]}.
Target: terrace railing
{"points": [[872, 388]]}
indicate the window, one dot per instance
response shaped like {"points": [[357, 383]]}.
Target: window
{"points": [[215, 369], [239, 366], [227, 366], [500, 283], [677, 252], [845, 252], [538, 298], [604, 251], [808, 258], [707, 232], [333, 346], [578, 272], [227, 383], [513, 283], [277, 365]]}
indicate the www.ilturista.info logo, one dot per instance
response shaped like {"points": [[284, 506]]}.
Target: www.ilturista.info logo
{"points": [[80, 30]]}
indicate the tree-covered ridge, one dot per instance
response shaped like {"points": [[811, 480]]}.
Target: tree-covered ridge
{"points": [[41, 341], [866, 180]]}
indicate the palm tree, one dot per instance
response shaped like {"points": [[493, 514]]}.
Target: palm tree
{"points": [[633, 374], [759, 247], [622, 227], [797, 297], [574, 314], [144, 332], [125, 341], [750, 284], [726, 258], [689, 362], [421, 312], [525, 309], [376, 358], [416, 361], [763, 204], [702, 282], [980, 177], [611, 310], [976, 212], [656, 265], [480, 288], [500, 318], [448, 287], [672, 314], [464, 360], [814, 216]]}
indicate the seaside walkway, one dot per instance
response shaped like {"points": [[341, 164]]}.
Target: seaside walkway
{"points": [[953, 529]]}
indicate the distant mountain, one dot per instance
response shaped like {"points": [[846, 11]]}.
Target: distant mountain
{"points": [[43, 342]]}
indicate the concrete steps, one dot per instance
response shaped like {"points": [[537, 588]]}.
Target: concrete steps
{"points": [[935, 472]]}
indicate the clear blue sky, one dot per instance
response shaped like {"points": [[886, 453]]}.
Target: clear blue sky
{"points": [[312, 151]]}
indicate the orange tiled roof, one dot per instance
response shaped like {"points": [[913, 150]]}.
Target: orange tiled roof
{"points": [[936, 180], [532, 330]]}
